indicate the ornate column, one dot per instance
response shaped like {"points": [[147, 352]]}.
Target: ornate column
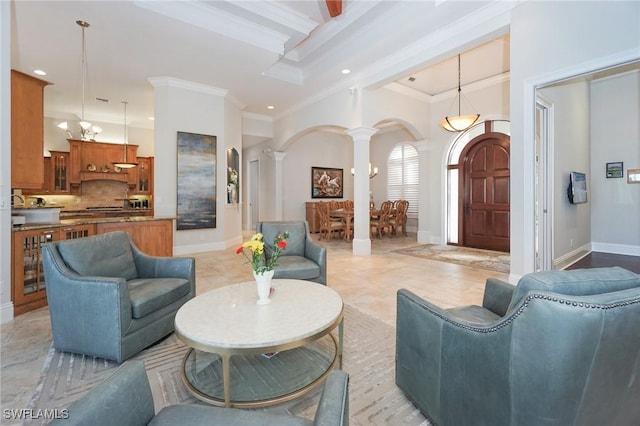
{"points": [[361, 139], [278, 156]]}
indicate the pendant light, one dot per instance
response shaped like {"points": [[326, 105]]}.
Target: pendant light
{"points": [[460, 122], [125, 164], [87, 131]]}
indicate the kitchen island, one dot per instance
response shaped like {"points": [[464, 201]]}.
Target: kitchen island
{"points": [[153, 236]]}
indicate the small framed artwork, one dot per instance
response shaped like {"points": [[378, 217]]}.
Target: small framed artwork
{"points": [[633, 176], [326, 183], [614, 170]]}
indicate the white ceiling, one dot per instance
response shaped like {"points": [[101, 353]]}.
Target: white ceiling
{"points": [[263, 53]]}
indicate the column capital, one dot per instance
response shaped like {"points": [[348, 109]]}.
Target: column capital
{"points": [[279, 155], [362, 132]]}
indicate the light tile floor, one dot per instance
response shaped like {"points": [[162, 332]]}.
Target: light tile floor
{"points": [[368, 283]]}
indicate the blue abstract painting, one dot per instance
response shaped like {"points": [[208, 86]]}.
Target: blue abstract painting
{"points": [[196, 181]]}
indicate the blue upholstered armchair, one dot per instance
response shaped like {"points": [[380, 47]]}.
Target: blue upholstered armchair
{"points": [[561, 348], [125, 399], [108, 299], [303, 259]]}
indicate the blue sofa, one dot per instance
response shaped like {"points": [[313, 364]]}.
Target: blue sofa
{"points": [[303, 259], [108, 299], [125, 399], [561, 348]]}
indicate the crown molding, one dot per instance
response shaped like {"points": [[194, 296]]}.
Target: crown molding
{"points": [[213, 19]]}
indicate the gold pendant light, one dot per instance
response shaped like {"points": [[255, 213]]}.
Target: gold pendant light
{"points": [[460, 122], [125, 164]]}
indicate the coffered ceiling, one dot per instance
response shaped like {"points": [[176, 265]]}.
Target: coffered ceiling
{"points": [[280, 52]]}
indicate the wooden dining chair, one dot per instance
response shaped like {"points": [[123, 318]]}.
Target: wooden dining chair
{"points": [[329, 226], [377, 225], [399, 220]]}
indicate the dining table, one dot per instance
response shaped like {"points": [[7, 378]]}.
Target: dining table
{"points": [[347, 216]]}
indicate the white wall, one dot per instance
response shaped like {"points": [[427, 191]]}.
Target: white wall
{"points": [[571, 153], [551, 41], [55, 139], [615, 136], [316, 149], [208, 114], [6, 306]]}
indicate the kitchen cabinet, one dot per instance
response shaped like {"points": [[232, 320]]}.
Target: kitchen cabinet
{"points": [[27, 275], [27, 131], [57, 173], [154, 238], [313, 217], [29, 286], [144, 181], [93, 161]]}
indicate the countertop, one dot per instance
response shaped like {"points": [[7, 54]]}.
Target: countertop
{"points": [[85, 221]]}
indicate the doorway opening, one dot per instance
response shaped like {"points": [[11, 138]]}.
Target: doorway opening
{"points": [[478, 187]]}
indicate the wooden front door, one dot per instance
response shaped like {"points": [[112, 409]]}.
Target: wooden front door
{"points": [[485, 193]]}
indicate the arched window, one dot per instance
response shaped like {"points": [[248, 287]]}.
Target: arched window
{"points": [[403, 175]]}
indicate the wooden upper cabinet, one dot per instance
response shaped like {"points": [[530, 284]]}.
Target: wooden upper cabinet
{"points": [[27, 131], [93, 161], [144, 171]]}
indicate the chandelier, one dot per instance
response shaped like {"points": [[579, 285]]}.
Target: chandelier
{"points": [[460, 122], [86, 130], [125, 164], [372, 172]]}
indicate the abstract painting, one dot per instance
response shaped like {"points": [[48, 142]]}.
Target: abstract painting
{"points": [[196, 181]]}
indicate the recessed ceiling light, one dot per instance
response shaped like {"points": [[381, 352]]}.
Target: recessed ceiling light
{"points": [[345, 71], [151, 118], [270, 107], [39, 72]]}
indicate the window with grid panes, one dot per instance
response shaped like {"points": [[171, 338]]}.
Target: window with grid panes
{"points": [[403, 175]]}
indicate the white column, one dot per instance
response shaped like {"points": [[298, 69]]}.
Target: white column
{"points": [[279, 183], [361, 139], [424, 193]]}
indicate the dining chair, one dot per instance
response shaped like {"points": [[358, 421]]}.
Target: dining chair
{"points": [[378, 224], [328, 225], [399, 219]]}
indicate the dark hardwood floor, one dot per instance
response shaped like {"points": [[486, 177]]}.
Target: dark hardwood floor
{"points": [[602, 260]]}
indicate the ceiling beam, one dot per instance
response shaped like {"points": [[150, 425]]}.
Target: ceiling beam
{"points": [[334, 7]]}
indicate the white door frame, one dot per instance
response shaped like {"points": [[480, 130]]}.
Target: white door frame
{"points": [[253, 194], [544, 184]]}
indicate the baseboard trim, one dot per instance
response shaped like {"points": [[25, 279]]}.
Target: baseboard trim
{"points": [[623, 249], [572, 257], [6, 312]]}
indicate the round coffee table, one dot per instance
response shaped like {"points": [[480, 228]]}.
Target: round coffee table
{"points": [[248, 355]]}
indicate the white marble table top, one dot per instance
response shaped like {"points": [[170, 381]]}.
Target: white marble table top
{"points": [[229, 318]]}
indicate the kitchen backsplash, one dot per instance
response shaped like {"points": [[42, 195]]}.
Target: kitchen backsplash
{"points": [[97, 193]]}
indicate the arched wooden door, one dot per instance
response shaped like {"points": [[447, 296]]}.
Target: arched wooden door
{"points": [[484, 204]]}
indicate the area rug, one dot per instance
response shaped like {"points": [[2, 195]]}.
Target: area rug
{"points": [[368, 357], [475, 258]]}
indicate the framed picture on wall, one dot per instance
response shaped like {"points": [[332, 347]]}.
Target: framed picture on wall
{"points": [[615, 170], [326, 182]]}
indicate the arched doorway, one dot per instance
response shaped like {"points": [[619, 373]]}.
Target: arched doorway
{"points": [[484, 190], [478, 187]]}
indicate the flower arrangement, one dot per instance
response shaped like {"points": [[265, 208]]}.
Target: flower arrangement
{"points": [[232, 179], [259, 260]]}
